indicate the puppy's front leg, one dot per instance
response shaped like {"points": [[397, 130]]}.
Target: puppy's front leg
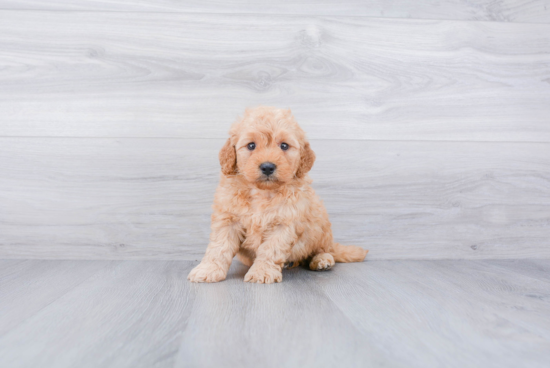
{"points": [[225, 240], [271, 255]]}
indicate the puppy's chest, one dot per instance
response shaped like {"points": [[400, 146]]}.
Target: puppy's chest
{"points": [[262, 201], [264, 210]]}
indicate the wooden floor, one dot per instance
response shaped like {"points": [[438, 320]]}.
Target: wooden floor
{"points": [[430, 120], [454, 313]]}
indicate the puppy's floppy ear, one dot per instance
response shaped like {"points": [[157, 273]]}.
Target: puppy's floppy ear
{"points": [[228, 158], [307, 158]]}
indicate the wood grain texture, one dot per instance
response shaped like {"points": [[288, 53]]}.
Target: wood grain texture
{"points": [[151, 198], [485, 10], [378, 313], [113, 74], [44, 282], [483, 314], [289, 325], [130, 314]]}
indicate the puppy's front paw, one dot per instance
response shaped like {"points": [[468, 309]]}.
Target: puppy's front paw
{"points": [[207, 272], [263, 273]]}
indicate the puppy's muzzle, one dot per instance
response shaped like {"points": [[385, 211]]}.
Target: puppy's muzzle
{"points": [[268, 168]]}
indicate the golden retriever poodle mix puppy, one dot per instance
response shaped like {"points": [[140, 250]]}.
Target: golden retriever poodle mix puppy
{"points": [[265, 211]]}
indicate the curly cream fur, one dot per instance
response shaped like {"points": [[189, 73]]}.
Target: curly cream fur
{"points": [[268, 221]]}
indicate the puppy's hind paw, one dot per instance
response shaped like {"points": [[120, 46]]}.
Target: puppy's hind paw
{"points": [[321, 262]]}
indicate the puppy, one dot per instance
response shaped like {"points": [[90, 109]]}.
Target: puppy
{"points": [[265, 210]]}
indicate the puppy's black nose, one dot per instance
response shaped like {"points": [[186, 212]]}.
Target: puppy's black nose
{"points": [[268, 168]]}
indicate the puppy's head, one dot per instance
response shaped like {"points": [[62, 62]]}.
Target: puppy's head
{"points": [[267, 147]]}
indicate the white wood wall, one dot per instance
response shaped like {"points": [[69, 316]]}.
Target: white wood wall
{"points": [[432, 134]]}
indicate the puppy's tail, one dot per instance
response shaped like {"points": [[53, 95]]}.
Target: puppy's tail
{"points": [[347, 253]]}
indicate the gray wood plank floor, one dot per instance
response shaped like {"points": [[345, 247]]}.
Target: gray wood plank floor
{"points": [[380, 313], [151, 198], [110, 74], [485, 10], [432, 136]]}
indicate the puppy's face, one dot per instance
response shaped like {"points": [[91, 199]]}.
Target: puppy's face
{"points": [[270, 149], [267, 158]]}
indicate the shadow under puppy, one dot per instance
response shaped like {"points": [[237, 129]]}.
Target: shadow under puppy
{"points": [[265, 210]]}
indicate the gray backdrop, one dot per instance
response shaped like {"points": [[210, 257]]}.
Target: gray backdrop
{"points": [[432, 134]]}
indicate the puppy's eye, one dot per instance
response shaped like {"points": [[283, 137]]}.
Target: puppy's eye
{"points": [[251, 146], [284, 146]]}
